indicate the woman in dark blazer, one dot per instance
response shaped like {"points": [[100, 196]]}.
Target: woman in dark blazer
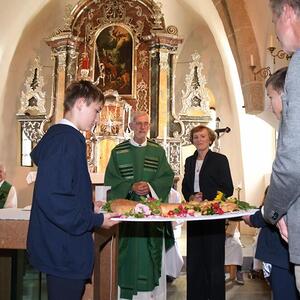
{"points": [[206, 172]]}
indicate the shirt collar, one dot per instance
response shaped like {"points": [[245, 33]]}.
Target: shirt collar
{"points": [[67, 122], [134, 143], [1, 182]]}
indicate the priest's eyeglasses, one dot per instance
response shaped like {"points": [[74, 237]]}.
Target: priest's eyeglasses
{"points": [[142, 124]]}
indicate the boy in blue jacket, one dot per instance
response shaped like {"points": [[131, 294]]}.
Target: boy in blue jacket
{"points": [[62, 219], [271, 249]]}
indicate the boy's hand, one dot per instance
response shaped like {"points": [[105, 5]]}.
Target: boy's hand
{"points": [[247, 220], [107, 222], [97, 206]]}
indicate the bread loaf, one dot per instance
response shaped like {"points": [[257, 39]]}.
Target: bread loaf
{"points": [[122, 206]]}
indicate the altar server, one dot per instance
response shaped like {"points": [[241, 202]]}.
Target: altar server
{"points": [[139, 168], [62, 219], [234, 250], [282, 204], [8, 194], [174, 260], [271, 249]]}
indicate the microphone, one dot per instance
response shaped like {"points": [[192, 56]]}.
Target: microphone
{"points": [[220, 130]]}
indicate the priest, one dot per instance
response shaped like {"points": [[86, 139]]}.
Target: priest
{"points": [[139, 168]]}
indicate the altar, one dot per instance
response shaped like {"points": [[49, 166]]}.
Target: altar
{"points": [[13, 234]]}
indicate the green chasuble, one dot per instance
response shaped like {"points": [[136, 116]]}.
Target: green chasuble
{"points": [[4, 190], [140, 243]]}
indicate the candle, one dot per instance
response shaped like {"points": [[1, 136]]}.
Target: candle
{"points": [[123, 118], [271, 43], [251, 60], [110, 122], [165, 134], [129, 115]]}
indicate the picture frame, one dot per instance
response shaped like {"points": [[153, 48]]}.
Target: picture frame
{"points": [[114, 59]]}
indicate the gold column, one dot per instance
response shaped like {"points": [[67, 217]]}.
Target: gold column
{"points": [[163, 93], [64, 50], [61, 83], [163, 48]]}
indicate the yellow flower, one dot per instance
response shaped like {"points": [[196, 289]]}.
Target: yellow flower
{"points": [[219, 196]]}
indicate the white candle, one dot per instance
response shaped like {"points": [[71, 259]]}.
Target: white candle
{"points": [[110, 122], [271, 44], [165, 134], [129, 115], [123, 118], [251, 60]]}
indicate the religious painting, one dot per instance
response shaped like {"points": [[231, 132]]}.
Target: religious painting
{"points": [[114, 60]]}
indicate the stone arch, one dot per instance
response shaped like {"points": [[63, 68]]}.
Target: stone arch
{"points": [[240, 34]]}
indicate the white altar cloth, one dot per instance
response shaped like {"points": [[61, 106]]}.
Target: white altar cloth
{"points": [[14, 214]]}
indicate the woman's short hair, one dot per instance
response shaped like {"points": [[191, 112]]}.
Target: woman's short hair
{"points": [[277, 80], [211, 133]]}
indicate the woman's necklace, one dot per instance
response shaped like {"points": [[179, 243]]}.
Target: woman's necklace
{"points": [[199, 163]]}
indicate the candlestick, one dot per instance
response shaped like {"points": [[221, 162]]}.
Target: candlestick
{"points": [[263, 72], [278, 54]]}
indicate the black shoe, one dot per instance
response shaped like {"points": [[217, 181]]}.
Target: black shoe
{"points": [[170, 279], [239, 278]]}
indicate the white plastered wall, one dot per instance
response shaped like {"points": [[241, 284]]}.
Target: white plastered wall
{"points": [[249, 146], [25, 25]]}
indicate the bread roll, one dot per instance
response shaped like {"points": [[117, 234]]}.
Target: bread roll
{"points": [[207, 204], [122, 206], [193, 203], [229, 206]]}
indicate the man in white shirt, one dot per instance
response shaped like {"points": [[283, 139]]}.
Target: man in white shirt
{"points": [[8, 194]]}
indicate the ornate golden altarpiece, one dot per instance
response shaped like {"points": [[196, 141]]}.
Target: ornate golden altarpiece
{"points": [[126, 49]]}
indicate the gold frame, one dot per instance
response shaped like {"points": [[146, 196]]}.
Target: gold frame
{"points": [[133, 66]]}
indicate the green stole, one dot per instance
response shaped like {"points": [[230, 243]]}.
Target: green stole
{"points": [[140, 244], [4, 190]]}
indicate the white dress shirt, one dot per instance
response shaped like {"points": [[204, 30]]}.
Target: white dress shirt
{"points": [[67, 122], [198, 167]]}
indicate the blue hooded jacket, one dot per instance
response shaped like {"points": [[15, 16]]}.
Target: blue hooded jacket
{"points": [[271, 248], [60, 239]]}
